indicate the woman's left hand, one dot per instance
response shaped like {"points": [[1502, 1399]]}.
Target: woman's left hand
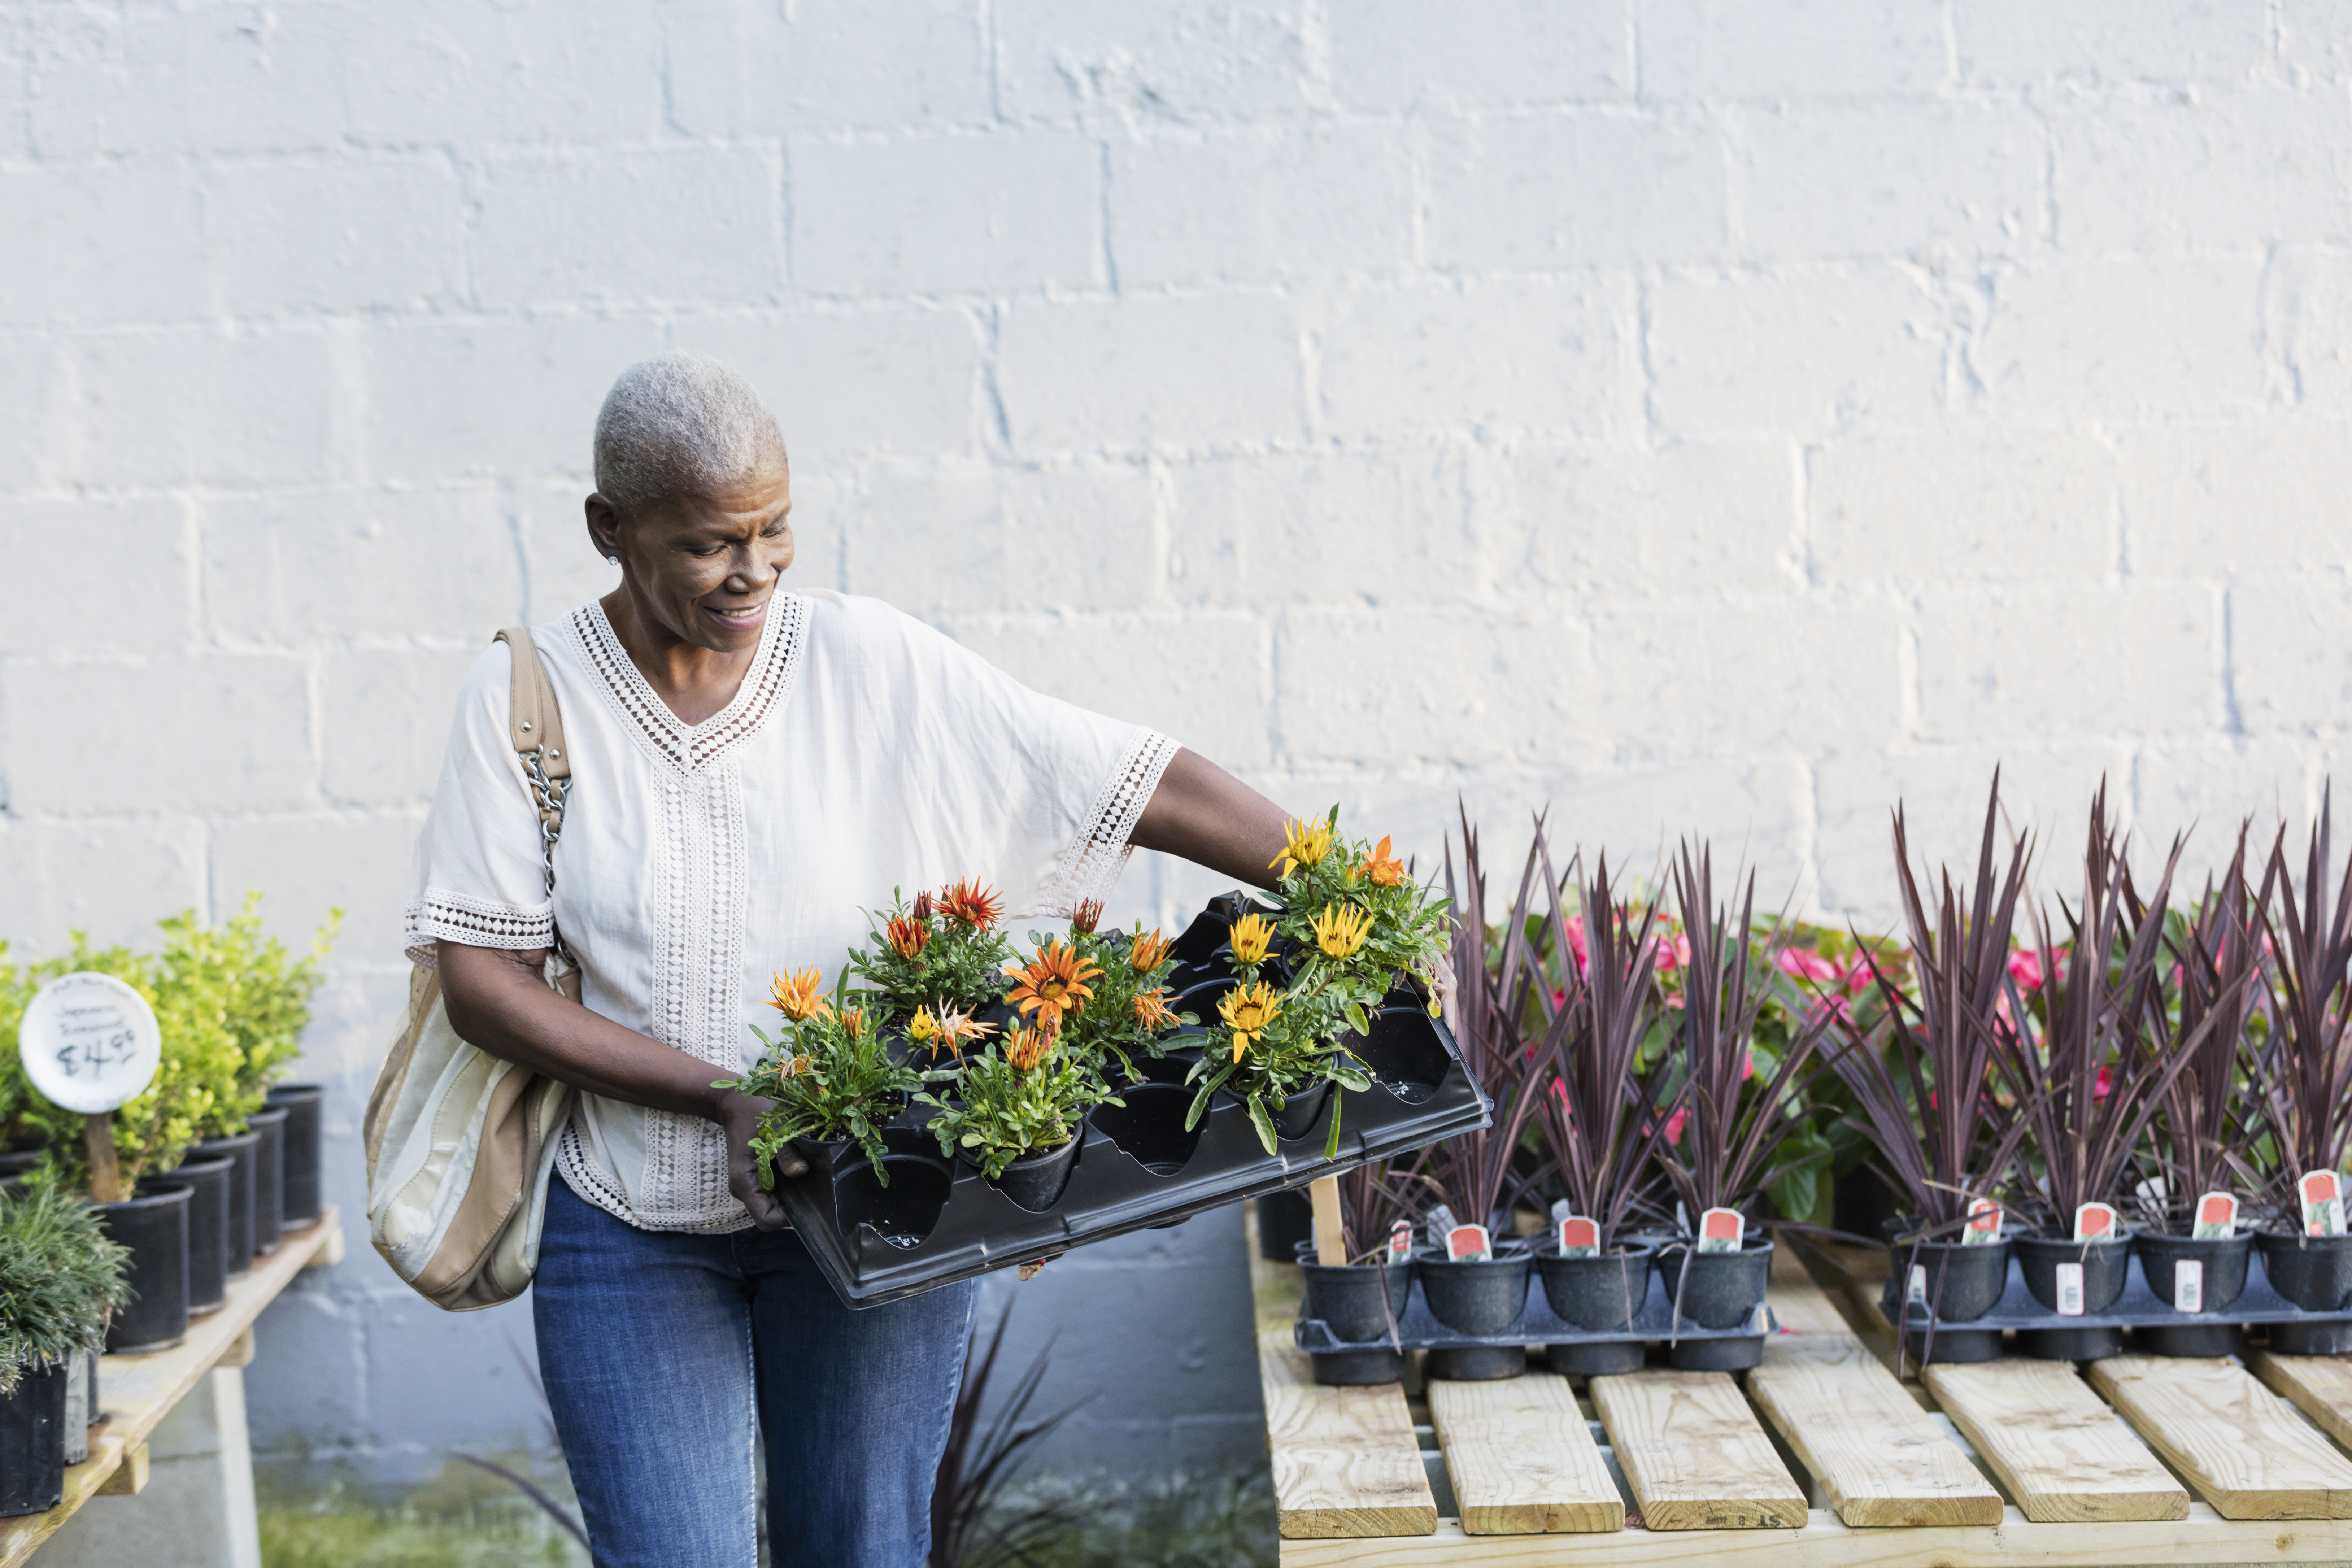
{"points": [[737, 1116]]}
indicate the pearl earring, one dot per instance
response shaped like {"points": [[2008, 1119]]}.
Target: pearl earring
{"points": [[613, 559]]}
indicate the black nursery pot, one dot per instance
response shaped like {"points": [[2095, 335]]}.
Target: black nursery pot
{"points": [[1301, 1112], [1600, 1294], [18, 1161], [241, 1152], [1477, 1298], [33, 1441], [268, 1177], [2224, 1258], [2103, 1264], [1348, 1298], [1285, 1220], [1963, 1281], [302, 1102], [154, 1226], [2314, 1272], [208, 1229], [1719, 1289], [1035, 1182]]}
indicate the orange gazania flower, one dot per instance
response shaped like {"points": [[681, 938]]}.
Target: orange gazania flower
{"points": [[1088, 916], [853, 1021], [951, 1030], [800, 996], [1026, 1047], [970, 904], [907, 937], [1149, 951], [1152, 1010], [1054, 983], [1381, 868]]}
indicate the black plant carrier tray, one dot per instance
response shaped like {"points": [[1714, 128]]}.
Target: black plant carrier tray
{"points": [[2137, 1306], [939, 1221], [1538, 1324]]}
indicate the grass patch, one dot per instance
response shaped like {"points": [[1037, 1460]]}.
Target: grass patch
{"points": [[463, 1518]]}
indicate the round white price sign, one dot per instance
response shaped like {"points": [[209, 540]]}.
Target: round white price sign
{"points": [[90, 1042]]}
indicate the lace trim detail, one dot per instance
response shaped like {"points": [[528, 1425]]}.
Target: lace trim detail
{"points": [[691, 748], [442, 916], [586, 1181], [1089, 867]]}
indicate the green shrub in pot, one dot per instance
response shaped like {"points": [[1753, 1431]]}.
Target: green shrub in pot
{"points": [[61, 1278]]}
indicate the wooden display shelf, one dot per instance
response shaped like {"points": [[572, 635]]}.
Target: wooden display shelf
{"points": [[136, 1392], [1820, 1454]]}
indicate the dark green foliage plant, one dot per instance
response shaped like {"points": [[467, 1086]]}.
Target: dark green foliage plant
{"points": [[1131, 1013], [1029, 1099], [943, 952], [829, 1073], [61, 1278]]}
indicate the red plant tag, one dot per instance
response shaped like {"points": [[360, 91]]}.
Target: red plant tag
{"points": [[2322, 1203], [1578, 1237], [1400, 1241], [2217, 1217], [1719, 1230], [2094, 1222], [1469, 1243], [1984, 1224]]}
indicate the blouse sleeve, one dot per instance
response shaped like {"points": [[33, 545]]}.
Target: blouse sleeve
{"points": [[1042, 793], [478, 881]]}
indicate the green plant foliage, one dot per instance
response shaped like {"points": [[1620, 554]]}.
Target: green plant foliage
{"points": [[830, 1075], [1024, 1102], [1130, 1013], [16, 986], [932, 954], [231, 1003], [61, 1278]]}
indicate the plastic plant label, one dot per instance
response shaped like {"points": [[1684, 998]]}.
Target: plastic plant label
{"points": [[1469, 1243], [2322, 1192], [1914, 1289], [2094, 1222], [2188, 1286], [2217, 1219], [1719, 1230], [1983, 1228], [2070, 1290], [1400, 1241], [1441, 1224], [90, 1042], [1578, 1237]]}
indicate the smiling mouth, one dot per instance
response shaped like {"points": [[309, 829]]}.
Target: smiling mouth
{"points": [[741, 619]]}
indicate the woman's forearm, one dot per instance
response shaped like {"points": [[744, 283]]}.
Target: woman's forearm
{"points": [[1206, 816]]}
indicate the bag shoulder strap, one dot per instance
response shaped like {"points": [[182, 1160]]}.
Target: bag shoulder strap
{"points": [[535, 725]]}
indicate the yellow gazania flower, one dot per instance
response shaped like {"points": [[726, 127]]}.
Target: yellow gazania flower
{"points": [[1149, 951], [923, 1028], [1247, 1010], [1306, 846], [1054, 983], [1152, 1011], [1339, 931], [1252, 935], [800, 998], [1379, 868], [1027, 1047]]}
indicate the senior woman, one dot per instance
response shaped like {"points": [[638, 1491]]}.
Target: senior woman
{"points": [[750, 768]]}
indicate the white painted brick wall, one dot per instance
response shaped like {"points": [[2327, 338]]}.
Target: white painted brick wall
{"points": [[1700, 415]]}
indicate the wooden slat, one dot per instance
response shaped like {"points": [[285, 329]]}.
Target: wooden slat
{"points": [[130, 1476], [2319, 1385], [1693, 1454], [2061, 1454], [1346, 1462], [2203, 1540], [1877, 1457], [1811, 1327], [1522, 1458], [138, 1391], [2235, 1440]]}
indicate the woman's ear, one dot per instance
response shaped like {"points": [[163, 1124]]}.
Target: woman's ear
{"points": [[604, 526]]}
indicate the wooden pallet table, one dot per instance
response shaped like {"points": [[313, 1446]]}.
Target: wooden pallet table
{"points": [[136, 1392], [1820, 1457]]}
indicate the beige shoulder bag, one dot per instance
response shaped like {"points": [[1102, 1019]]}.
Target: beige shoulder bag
{"points": [[459, 1144]]}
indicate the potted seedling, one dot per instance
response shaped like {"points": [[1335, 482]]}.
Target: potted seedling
{"points": [[61, 1278], [1128, 1032], [1597, 1112], [2086, 1085], [1360, 1299], [1745, 1122], [1022, 1116], [942, 955], [1473, 1273], [830, 1075], [2302, 1085], [1943, 1137], [2205, 1009]]}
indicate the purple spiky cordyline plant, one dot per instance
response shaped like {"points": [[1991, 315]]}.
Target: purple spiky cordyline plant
{"points": [[2303, 1077]]}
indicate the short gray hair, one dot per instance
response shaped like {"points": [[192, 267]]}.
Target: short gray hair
{"points": [[680, 425]]}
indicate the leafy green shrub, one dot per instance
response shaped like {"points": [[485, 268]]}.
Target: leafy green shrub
{"points": [[59, 1280]]}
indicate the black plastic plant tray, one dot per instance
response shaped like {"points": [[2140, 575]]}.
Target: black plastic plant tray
{"points": [[945, 1223], [2138, 1307], [1417, 1330]]}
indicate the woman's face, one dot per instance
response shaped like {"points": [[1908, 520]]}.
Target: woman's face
{"points": [[704, 569]]}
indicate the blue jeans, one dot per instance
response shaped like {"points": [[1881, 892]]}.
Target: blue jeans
{"points": [[668, 1356]]}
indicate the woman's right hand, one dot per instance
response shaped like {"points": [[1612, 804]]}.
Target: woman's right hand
{"points": [[738, 1115]]}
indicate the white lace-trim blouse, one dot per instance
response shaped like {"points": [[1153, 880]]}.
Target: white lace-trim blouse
{"points": [[865, 753]]}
